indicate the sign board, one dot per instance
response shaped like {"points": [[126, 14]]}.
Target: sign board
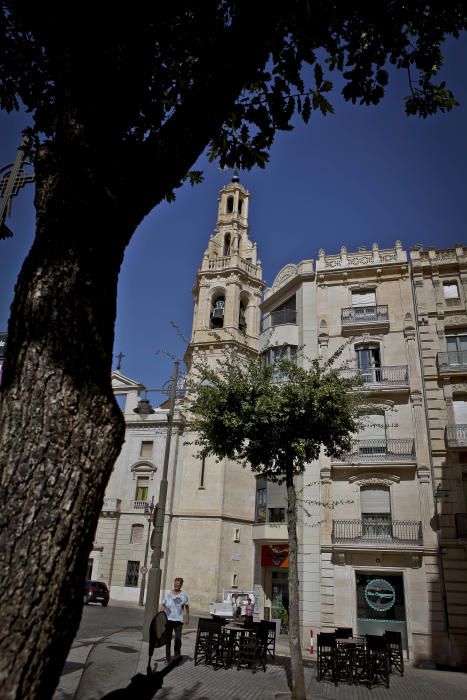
{"points": [[275, 555]]}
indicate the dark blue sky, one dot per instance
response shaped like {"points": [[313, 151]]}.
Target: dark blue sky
{"points": [[365, 174]]}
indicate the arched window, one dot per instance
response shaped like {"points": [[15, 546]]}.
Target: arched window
{"points": [[230, 205], [240, 206], [217, 312], [242, 317], [226, 251], [136, 536]]}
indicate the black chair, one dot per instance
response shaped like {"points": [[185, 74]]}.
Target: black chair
{"points": [[377, 660], [271, 641], [343, 633], [252, 649], [396, 658], [211, 645], [220, 620], [326, 656]]}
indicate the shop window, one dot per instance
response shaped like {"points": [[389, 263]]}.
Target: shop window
{"points": [[136, 536], [132, 570]]}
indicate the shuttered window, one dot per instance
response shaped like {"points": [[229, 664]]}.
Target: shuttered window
{"points": [[374, 427], [460, 412], [136, 536], [375, 501], [364, 298]]}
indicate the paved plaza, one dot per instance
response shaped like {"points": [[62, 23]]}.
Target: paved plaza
{"points": [[104, 670]]}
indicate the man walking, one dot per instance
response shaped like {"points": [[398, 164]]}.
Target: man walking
{"points": [[175, 606]]}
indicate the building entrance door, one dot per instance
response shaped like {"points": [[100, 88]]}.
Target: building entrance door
{"points": [[280, 594], [380, 604]]}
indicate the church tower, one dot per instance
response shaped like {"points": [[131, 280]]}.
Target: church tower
{"points": [[213, 503]]}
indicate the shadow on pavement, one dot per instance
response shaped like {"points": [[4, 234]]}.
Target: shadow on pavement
{"points": [[144, 687]]}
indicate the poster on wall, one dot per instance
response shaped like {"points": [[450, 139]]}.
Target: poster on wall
{"points": [[275, 555]]}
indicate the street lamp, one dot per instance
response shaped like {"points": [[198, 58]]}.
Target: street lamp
{"points": [[148, 509], [155, 573]]}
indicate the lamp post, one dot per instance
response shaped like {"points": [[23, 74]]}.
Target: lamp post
{"points": [[148, 509], [158, 517]]}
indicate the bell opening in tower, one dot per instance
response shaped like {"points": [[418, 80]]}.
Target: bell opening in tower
{"points": [[217, 313]]}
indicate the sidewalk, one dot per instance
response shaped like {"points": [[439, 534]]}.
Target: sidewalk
{"points": [[112, 663]]}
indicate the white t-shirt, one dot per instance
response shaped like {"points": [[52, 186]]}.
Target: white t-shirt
{"points": [[173, 603]]}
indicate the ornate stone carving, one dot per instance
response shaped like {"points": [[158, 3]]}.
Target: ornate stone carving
{"points": [[383, 479], [460, 320], [286, 274]]}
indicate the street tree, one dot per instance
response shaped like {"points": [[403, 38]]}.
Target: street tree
{"points": [[122, 102], [275, 420]]}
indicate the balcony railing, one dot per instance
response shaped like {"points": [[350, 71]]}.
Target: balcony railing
{"points": [[278, 318], [391, 533], [380, 450], [461, 525], [456, 435], [378, 376], [139, 505], [356, 315], [454, 361]]}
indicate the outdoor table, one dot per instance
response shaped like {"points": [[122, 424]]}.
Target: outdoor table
{"points": [[351, 647], [235, 631]]}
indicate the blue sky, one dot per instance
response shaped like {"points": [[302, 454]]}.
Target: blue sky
{"points": [[365, 174]]}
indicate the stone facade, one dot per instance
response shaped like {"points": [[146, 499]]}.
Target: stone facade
{"points": [[392, 553]]}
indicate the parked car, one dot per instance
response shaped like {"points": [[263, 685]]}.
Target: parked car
{"points": [[96, 592]]}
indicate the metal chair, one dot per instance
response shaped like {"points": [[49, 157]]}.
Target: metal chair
{"points": [[249, 650], [211, 644], [271, 640], [396, 658], [377, 660], [326, 656]]}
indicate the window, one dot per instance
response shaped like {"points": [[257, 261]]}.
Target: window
{"points": [[240, 205], [132, 570], [364, 298], [146, 448], [234, 580], [236, 535], [451, 291], [142, 488], [242, 318], [227, 245], [230, 205], [372, 435], [460, 411], [217, 313], [376, 512], [285, 313], [276, 515], [464, 490], [369, 362], [261, 499], [278, 352], [457, 349], [136, 536]]}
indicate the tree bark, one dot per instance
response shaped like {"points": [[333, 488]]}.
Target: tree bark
{"points": [[296, 661], [60, 427]]}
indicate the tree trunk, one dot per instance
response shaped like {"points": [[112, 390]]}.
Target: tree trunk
{"points": [[60, 427], [298, 676]]}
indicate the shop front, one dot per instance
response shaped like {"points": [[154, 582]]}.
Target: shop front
{"points": [[381, 604], [274, 565]]}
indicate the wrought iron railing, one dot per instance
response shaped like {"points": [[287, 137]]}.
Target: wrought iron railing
{"points": [[456, 435], [453, 360], [461, 524], [380, 450], [377, 531], [364, 314], [388, 376]]}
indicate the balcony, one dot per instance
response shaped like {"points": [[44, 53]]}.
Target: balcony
{"points": [[278, 318], [461, 525], [359, 317], [454, 362], [456, 435], [270, 524], [379, 378], [377, 533], [371, 450]]}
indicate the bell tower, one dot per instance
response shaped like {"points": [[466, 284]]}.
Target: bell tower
{"points": [[213, 503], [228, 287]]}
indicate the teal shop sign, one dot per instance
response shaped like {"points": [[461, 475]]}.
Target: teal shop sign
{"points": [[380, 594]]}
